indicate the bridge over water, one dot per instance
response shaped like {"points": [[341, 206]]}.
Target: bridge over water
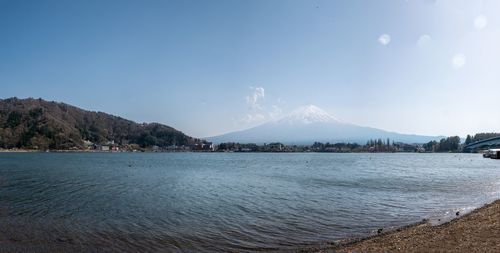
{"points": [[483, 144]]}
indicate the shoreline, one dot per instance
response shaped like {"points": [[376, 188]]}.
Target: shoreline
{"points": [[204, 151], [475, 231]]}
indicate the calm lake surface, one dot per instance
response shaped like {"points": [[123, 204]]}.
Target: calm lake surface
{"points": [[153, 202]]}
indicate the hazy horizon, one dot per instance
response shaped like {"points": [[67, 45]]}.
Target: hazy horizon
{"points": [[207, 68]]}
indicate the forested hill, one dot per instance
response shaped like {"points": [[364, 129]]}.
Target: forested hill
{"points": [[39, 124], [479, 137]]}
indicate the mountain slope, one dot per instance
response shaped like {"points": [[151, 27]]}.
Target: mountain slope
{"points": [[309, 124], [39, 124]]}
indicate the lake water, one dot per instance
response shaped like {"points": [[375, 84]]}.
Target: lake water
{"points": [[227, 201]]}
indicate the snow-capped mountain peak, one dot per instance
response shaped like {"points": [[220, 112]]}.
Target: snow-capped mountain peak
{"points": [[307, 115], [309, 124]]}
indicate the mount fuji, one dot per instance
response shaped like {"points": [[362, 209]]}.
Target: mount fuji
{"points": [[309, 124]]}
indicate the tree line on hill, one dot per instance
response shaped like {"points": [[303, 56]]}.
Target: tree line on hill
{"points": [[449, 144], [39, 124], [479, 137]]}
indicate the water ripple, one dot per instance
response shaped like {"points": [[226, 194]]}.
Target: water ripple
{"points": [[226, 202]]}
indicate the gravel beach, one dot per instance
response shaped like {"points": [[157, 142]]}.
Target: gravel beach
{"points": [[477, 231]]}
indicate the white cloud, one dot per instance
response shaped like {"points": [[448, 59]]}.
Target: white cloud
{"points": [[252, 118], [480, 22], [384, 39], [259, 111], [458, 61], [253, 99], [424, 40], [275, 113], [256, 113]]}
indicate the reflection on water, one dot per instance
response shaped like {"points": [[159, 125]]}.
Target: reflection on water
{"points": [[226, 202]]}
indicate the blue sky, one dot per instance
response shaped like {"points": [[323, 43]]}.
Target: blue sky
{"points": [[210, 67]]}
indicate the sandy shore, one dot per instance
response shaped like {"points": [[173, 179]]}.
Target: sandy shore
{"points": [[477, 231]]}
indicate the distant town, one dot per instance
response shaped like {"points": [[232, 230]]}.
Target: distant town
{"points": [[449, 144]]}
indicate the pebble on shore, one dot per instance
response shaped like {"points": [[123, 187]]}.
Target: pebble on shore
{"points": [[477, 231]]}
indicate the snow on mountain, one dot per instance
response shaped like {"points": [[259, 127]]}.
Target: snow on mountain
{"points": [[309, 124], [307, 115]]}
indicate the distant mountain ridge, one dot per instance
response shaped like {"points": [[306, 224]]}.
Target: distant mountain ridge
{"points": [[39, 124], [309, 124]]}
